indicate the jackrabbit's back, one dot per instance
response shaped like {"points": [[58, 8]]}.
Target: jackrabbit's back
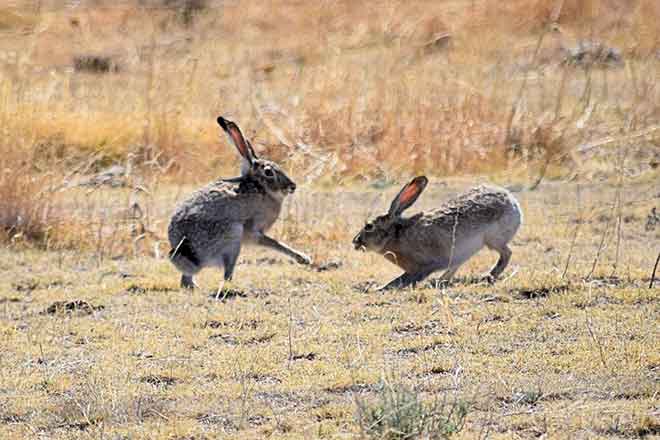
{"points": [[473, 210]]}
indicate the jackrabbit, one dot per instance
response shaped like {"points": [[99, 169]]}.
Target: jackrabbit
{"points": [[444, 238], [209, 228]]}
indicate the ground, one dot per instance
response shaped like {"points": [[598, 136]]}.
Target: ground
{"points": [[565, 345], [107, 121]]}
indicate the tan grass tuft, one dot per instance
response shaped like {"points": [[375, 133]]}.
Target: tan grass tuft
{"points": [[26, 207]]}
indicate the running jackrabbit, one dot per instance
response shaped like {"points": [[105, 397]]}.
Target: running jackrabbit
{"points": [[444, 238], [209, 228]]}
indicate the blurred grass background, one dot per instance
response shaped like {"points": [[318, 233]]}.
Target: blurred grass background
{"points": [[336, 89], [339, 92]]}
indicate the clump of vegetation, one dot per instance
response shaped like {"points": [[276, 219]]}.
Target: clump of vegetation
{"points": [[186, 9], [400, 413], [25, 208], [95, 64]]}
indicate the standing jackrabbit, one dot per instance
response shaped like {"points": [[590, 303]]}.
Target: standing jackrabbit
{"points": [[209, 228], [444, 238]]}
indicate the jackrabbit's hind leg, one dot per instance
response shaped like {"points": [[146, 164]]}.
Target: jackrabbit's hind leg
{"points": [[185, 258], [502, 262], [229, 258], [446, 277], [187, 282]]}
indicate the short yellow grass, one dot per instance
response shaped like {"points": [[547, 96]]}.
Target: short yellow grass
{"points": [[285, 354]]}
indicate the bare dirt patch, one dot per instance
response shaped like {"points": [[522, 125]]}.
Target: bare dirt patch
{"points": [[252, 324], [428, 328], [79, 307], [135, 289], [232, 294], [538, 292], [304, 356], [159, 380]]}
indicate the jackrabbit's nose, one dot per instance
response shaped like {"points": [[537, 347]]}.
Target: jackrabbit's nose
{"points": [[292, 187]]}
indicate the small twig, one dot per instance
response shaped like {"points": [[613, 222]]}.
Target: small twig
{"points": [[655, 267], [99, 240], [619, 217], [246, 389], [45, 363], [648, 132], [176, 249], [513, 273], [290, 330], [453, 243], [601, 246], [596, 341], [577, 230]]}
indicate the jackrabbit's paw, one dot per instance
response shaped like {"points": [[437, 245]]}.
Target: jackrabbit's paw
{"points": [[488, 279], [382, 289], [303, 259]]}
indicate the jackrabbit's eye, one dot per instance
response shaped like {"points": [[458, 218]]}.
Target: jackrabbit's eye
{"points": [[268, 172], [368, 227]]}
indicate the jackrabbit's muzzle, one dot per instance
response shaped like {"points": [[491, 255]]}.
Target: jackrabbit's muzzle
{"points": [[357, 242]]}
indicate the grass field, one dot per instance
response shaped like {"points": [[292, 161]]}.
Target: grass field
{"points": [[565, 346], [352, 98]]}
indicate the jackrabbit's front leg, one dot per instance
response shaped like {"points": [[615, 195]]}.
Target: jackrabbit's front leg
{"points": [[400, 282], [405, 280], [264, 240]]}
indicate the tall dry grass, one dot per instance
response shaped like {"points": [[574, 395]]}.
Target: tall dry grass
{"points": [[25, 207], [337, 90]]}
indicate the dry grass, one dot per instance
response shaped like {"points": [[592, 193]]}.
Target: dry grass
{"points": [[338, 92], [25, 204], [98, 341], [290, 350]]}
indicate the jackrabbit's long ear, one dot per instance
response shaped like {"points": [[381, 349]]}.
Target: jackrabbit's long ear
{"points": [[407, 196], [254, 155], [236, 137]]}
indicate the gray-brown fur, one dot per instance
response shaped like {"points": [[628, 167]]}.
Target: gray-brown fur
{"points": [[209, 228], [444, 238]]}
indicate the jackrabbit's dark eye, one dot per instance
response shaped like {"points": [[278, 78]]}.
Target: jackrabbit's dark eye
{"points": [[268, 172], [368, 227]]}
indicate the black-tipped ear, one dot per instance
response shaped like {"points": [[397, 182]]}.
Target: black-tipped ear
{"points": [[408, 195], [236, 137]]}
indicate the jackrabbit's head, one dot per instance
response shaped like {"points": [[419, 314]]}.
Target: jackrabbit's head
{"points": [[378, 232], [267, 173]]}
